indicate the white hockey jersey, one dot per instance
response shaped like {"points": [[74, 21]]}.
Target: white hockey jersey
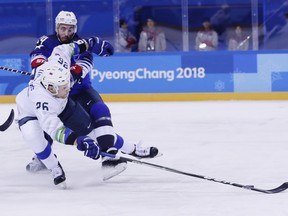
{"points": [[36, 101]]}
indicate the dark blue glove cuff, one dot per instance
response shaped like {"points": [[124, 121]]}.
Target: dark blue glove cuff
{"points": [[80, 144]]}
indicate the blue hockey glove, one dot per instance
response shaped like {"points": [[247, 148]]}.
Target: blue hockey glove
{"points": [[100, 47], [89, 146]]}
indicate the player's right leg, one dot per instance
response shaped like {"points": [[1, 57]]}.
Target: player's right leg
{"points": [[32, 132], [103, 131], [136, 150], [36, 165], [92, 102]]}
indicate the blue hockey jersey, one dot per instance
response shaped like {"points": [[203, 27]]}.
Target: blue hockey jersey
{"points": [[44, 48]]}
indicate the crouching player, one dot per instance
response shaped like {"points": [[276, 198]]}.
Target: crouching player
{"points": [[45, 99], [39, 106]]}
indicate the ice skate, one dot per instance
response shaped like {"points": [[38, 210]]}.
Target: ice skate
{"points": [[59, 176], [35, 165], [145, 152], [112, 167]]}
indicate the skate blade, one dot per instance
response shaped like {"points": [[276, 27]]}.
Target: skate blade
{"points": [[62, 185], [109, 173]]}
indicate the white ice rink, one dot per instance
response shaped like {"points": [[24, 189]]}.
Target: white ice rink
{"points": [[239, 141]]}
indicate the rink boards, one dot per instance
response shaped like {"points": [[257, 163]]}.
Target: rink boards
{"points": [[172, 76]]}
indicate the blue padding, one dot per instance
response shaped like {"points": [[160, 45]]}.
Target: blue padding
{"points": [[25, 120], [119, 142], [245, 63], [76, 118], [45, 153], [67, 133], [279, 81], [99, 110]]}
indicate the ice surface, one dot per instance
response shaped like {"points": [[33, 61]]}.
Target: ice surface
{"points": [[239, 141]]}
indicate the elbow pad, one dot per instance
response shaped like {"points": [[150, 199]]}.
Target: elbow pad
{"points": [[36, 62]]}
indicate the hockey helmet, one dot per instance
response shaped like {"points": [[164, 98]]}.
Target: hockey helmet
{"points": [[55, 75], [66, 17]]}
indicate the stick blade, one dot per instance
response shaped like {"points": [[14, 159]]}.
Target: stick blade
{"points": [[8, 122], [279, 189]]}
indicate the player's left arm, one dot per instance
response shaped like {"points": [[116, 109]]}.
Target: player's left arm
{"points": [[96, 45]]}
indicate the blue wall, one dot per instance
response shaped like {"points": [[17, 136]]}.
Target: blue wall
{"points": [[172, 72]]}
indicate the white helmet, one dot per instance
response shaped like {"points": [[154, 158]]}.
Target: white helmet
{"points": [[55, 75], [66, 17]]}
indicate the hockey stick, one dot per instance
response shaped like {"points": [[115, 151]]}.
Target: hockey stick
{"points": [[279, 189], [8, 122], [15, 71]]}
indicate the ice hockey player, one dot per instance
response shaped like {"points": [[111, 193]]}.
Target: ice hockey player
{"points": [[82, 91], [43, 101]]}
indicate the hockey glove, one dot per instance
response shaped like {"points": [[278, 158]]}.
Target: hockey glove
{"points": [[100, 47], [76, 71], [81, 46], [89, 146]]}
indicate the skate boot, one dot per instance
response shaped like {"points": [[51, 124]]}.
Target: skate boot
{"points": [[144, 152], [112, 167], [59, 177], [35, 165]]}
